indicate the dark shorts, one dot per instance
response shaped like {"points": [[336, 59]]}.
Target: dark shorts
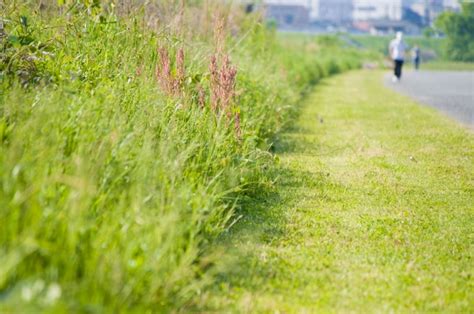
{"points": [[398, 68]]}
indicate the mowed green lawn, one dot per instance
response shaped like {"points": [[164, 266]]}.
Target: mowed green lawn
{"points": [[448, 66], [373, 212]]}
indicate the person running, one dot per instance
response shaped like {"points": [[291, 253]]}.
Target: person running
{"points": [[397, 49], [415, 54]]}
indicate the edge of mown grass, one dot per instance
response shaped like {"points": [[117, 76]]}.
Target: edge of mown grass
{"points": [[366, 220]]}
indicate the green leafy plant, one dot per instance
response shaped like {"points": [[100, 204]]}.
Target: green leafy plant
{"points": [[21, 54], [459, 29]]}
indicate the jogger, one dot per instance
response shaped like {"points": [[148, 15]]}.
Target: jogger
{"points": [[397, 53]]}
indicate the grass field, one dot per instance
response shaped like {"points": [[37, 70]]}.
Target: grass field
{"points": [[372, 213], [448, 66], [143, 169]]}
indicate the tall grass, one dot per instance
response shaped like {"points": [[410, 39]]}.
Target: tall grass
{"points": [[123, 155]]}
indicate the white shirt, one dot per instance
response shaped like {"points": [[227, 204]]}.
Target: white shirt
{"points": [[397, 49]]}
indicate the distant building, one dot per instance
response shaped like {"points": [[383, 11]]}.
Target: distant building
{"points": [[429, 10], [376, 27], [419, 8], [376, 15], [304, 3], [453, 5], [288, 16], [335, 11], [310, 5], [433, 9], [386, 16], [365, 10], [413, 17]]}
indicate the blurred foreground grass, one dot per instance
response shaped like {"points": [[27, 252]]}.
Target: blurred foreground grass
{"points": [[129, 138]]}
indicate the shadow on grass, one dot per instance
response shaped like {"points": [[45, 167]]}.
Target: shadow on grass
{"points": [[294, 137], [246, 255], [263, 223]]}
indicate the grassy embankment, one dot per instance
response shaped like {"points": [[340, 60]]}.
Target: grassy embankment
{"points": [[374, 212], [126, 148], [432, 48]]}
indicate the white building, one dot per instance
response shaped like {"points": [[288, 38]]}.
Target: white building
{"points": [[366, 10], [377, 10], [335, 11], [311, 5]]}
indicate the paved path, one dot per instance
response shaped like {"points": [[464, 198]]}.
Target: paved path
{"points": [[450, 92]]}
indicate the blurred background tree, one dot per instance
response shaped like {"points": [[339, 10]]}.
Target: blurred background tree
{"points": [[459, 29]]}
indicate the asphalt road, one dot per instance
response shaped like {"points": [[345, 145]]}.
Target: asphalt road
{"points": [[448, 91]]}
